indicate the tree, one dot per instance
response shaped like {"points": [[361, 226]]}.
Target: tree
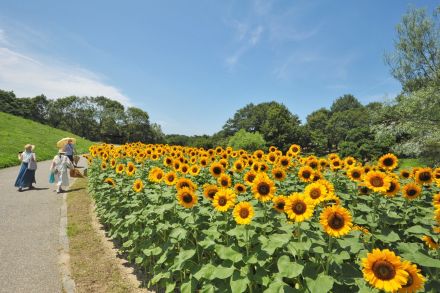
{"points": [[416, 59], [137, 126], [247, 141], [344, 103]]}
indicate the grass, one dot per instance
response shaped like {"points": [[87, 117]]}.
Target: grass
{"points": [[410, 163], [93, 267], [15, 132]]}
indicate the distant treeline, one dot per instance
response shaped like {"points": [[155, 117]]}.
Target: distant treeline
{"points": [[94, 118]]}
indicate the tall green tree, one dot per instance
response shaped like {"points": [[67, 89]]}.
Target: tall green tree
{"points": [[415, 61]]}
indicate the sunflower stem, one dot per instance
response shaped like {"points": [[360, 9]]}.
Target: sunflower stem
{"points": [[330, 244]]}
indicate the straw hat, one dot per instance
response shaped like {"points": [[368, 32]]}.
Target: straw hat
{"points": [[61, 151], [31, 146]]}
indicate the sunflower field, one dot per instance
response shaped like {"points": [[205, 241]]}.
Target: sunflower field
{"points": [[224, 220]]}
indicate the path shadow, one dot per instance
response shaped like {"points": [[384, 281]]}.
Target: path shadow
{"points": [[75, 189], [35, 188]]}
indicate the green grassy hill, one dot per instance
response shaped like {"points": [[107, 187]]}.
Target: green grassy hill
{"points": [[15, 132]]}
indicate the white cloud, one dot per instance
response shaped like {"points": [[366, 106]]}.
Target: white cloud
{"points": [[28, 76], [248, 40]]}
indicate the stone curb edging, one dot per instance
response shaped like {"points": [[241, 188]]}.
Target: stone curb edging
{"points": [[68, 284]]}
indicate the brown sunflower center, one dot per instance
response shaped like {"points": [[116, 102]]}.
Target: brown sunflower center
{"points": [[212, 193], [240, 188], [409, 282], [299, 207], [263, 188], [184, 184], [306, 174], [313, 164], [284, 162], [187, 198], [355, 174], [405, 174], [392, 188], [278, 175], [425, 176], [171, 178], [384, 270], [159, 176], [222, 201], [238, 166], [336, 221], [280, 205], [315, 193], [251, 178], [388, 162], [244, 213], [217, 170], [377, 181], [411, 192], [224, 182]]}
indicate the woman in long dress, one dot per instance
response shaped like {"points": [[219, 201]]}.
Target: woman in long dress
{"points": [[26, 176], [60, 165]]}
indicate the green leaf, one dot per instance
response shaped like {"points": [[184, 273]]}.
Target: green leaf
{"points": [[160, 276], [275, 241], [189, 286], [128, 243], [389, 238], [170, 287], [183, 256], [228, 253], [322, 283], [178, 233], [417, 230], [152, 251], [212, 272], [340, 257], [287, 268], [238, 283], [353, 243]]}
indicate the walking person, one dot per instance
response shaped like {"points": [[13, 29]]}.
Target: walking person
{"points": [[59, 167], [69, 149], [26, 175]]}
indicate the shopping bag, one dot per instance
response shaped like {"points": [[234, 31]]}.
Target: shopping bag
{"points": [[52, 177]]}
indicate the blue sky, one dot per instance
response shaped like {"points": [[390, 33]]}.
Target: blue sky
{"points": [[192, 64]]}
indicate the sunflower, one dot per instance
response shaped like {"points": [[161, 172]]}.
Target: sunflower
{"points": [[138, 185], [263, 188], [336, 164], [349, 161], [298, 207], [185, 182], [243, 213], [224, 180], [194, 170], [130, 169], [224, 199], [279, 202], [295, 149], [360, 228], [436, 201], [184, 168], [384, 270], [240, 188], [431, 243], [316, 192], [405, 174], [415, 278], [363, 189], [110, 181], [355, 173], [249, 177], [388, 162], [186, 197], [209, 191], [170, 178], [394, 187], [424, 176], [239, 166], [377, 181], [113, 163], [103, 165], [279, 174], [258, 154], [411, 191], [336, 221], [306, 173], [156, 175], [216, 169], [284, 161]]}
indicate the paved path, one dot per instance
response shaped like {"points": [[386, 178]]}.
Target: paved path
{"points": [[29, 234]]}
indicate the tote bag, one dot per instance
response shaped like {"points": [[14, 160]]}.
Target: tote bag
{"points": [[32, 165]]}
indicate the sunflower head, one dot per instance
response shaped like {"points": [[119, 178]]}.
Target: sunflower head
{"points": [[249, 177], [298, 207], [306, 173], [263, 188], [278, 173], [411, 191], [170, 178], [138, 185], [388, 162], [279, 202], [216, 169], [424, 176], [243, 213], [130, 169], [336, 221], [224, 199], [240, 188], [185, 182], [384, 270], [316, 192], [355, 173], [377, 181], [415, 278], [224, 180], [186, 197], [110, 181], [431, 243]]}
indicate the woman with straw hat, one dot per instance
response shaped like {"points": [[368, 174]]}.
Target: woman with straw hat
{"points": [[26, 175], [60, 165]]}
